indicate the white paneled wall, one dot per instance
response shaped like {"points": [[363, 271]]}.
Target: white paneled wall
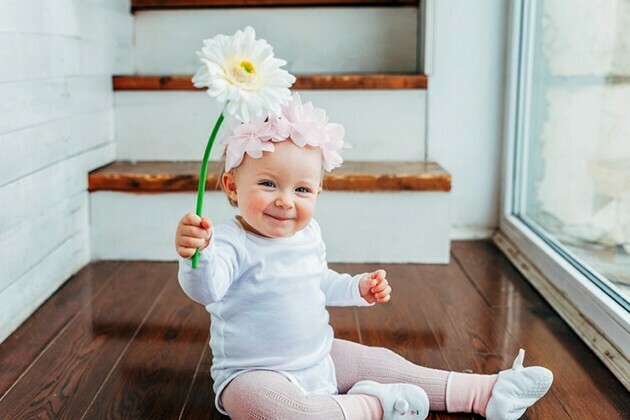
{"points": [[56, 124]]}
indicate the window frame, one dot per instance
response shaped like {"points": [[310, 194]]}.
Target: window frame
{"points": [[600, 320]]}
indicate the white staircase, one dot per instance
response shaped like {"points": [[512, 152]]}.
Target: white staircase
{"points": [[362, 221]]}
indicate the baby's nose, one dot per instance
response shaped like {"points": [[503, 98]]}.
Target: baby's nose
{"points": [[283, 203]]}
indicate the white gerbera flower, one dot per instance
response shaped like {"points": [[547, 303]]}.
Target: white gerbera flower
{"points": [[243, 72]]}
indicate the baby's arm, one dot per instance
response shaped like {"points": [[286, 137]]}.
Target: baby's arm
{"points": [[218, 259], [342, 289]]}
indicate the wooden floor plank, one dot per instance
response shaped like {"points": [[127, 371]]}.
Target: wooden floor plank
{"points": [[200, 403], [65, 378], [538, 329], [344, 323], [399, 324], [583, 384], [493, 275], [23, 347], [456, 310], [476, 340], [153, 377]]}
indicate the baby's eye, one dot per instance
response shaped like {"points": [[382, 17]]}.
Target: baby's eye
{"points": [[267, 184], [303, 190]]}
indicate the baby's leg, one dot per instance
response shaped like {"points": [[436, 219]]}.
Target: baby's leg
{"points": [[356, 362], [502, 396], [265, 394]]}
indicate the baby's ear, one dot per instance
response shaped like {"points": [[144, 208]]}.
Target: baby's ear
{"points": [[229, 184]]}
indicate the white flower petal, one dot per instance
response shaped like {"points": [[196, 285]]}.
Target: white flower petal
{"points": [[242, 71]]}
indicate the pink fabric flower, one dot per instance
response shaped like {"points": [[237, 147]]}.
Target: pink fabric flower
{"points": [[330, 149], [276, 129], [246, 138], [307, 122], [302, 123]]}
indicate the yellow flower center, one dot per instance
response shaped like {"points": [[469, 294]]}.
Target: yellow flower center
{"points": [[247, 66], [243, 73]]}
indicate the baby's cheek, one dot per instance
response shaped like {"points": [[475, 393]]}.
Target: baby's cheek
{"points": [[306, 214], [256, 204], [261, 202]]}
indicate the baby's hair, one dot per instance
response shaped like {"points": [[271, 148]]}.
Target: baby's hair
{"points": [[221, 166]]}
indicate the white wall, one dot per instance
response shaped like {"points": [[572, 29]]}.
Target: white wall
{"points": [[465, 108], [56, 124]]}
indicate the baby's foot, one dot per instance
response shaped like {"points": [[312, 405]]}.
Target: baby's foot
{"points": [[517, 389], [398, 400]]}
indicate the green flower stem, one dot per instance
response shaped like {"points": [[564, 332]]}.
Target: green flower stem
{"points": [[202, 178]]}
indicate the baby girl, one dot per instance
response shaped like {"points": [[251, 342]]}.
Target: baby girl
{"points": [[264, 279]]}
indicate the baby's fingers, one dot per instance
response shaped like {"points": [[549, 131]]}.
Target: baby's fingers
{"points": [[191, 219], [205, 223], [188, 242], [195, 232], [384, 294], [384, 299], [380, 287], [185, 252]]}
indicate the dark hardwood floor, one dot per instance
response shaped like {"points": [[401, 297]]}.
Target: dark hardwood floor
{"points": [[121, 340]]}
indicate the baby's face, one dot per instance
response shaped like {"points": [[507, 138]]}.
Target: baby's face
{"points": [[276, 194]]}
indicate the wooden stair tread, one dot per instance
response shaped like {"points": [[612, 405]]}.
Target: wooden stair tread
{"points": [[161, 177], [204, 4], [303, 82]]}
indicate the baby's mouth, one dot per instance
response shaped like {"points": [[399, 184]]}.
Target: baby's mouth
{"points": [[282, 219]]}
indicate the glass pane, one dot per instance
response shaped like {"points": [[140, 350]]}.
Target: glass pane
{"points": [[576, 151]]}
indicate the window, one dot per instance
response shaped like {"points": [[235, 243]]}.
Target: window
{"points": [[566, 202]]}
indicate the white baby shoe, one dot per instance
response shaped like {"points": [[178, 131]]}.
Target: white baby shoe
{"points": [[517, 389], [398, 400]]}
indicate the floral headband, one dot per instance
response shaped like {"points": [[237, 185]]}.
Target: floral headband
{"points": [[302, 123]]}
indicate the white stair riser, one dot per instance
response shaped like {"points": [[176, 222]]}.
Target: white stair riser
{"points": [[399, 227], [311, 40], [175, 125]]}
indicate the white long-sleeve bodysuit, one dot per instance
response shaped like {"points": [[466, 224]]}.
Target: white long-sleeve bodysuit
{"points": [[267, 299]]}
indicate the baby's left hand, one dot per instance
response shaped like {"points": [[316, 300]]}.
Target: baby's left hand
{"points": [[374, 287]]}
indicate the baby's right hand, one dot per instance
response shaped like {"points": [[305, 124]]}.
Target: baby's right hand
{"points": [[192, 232]]}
